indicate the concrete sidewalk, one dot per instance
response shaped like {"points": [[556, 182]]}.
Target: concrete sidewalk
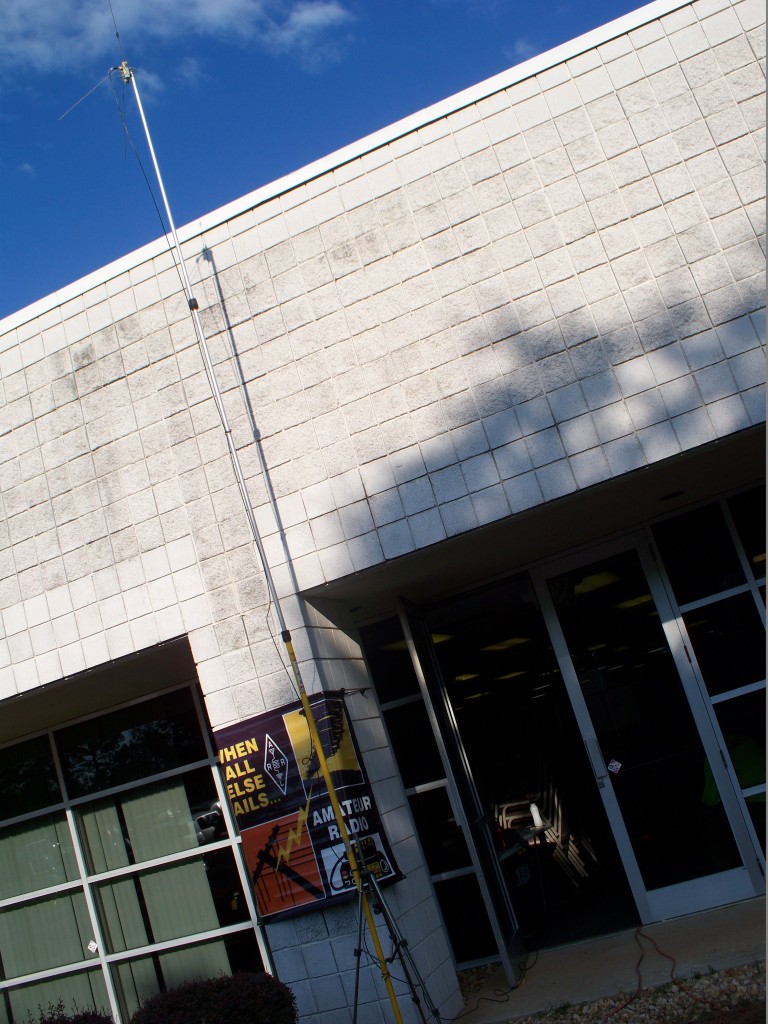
{"points": [[727, 937]]}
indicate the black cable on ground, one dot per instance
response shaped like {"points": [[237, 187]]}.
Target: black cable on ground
{"points": [[639, 933], [500, 995]]}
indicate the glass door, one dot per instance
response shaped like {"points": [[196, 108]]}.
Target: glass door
{"points": [[468, 913], [646, 730], [478, 826], [524, 766]]}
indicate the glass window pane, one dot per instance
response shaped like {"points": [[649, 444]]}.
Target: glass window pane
{"points": [[504, 686], [414, 744], [172, 902], [160, 819], [699, 554], [208, 961], [757, 814], [103, 836], [466, 920], [121, 915], [137, 980], [127, 745], [742, 721], [36, 855], [748, 511], [153, 821], [388, 660], [76, 992], [47, 933], [27, 778], [728, 638], [441, 837]]}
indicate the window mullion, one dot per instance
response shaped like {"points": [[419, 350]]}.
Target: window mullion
{"points": [[63, 970], [60, 889], [234, 836], [158, 862], [181, 942], [90, 902], [142, 783]]}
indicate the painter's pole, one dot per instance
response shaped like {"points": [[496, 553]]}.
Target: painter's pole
{"points": [[128, 75]]}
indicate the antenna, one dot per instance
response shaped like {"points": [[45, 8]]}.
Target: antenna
{"points": [[77, 104], [128, 75]]}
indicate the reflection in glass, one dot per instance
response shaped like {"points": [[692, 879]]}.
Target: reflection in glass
{"points": [[172, 902], [151, 821], [27, 778], [642, 721], [44, 934], [77, 992], [139, 979], [36, 855], [699, 554], [124, 746], [728, 639]]}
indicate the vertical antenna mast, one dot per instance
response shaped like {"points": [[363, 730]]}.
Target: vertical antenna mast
{"points": [[128, 76]]}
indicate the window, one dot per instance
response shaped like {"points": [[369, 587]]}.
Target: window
{"points": [[119, 874], [715, 561]]}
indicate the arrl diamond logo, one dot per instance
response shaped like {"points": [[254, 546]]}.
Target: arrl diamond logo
{"points": [[275, 764]]}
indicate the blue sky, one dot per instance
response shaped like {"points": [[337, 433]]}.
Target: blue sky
{"points": [[237, 93]]}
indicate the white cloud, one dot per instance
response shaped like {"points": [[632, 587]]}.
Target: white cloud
{"points": [[305, 20], [189, 72], [308, 31], [520, 50], [45, 35]]}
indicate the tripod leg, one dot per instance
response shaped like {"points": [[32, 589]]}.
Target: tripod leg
{"points": [[403, 954], [358, 952]]}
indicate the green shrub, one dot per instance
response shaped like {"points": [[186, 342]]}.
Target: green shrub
{"points": [[237, 999]]}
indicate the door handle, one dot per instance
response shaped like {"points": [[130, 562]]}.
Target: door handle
{"points": [[596, 760]]}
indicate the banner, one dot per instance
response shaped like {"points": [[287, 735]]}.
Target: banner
{"points": [[295, 854]]}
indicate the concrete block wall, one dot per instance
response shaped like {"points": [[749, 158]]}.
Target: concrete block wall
{"points": [[554, 284], [547, 285], [553, 279]]}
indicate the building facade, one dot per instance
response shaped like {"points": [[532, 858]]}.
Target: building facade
{"points": [[494, 378]]}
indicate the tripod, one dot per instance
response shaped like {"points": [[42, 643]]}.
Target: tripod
{"points": [[368, 888]]}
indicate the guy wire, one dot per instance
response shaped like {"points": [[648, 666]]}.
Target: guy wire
{"points": [[117, 32]]}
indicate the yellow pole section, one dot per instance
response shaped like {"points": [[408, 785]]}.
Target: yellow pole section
{"points": [[354, 867]]}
